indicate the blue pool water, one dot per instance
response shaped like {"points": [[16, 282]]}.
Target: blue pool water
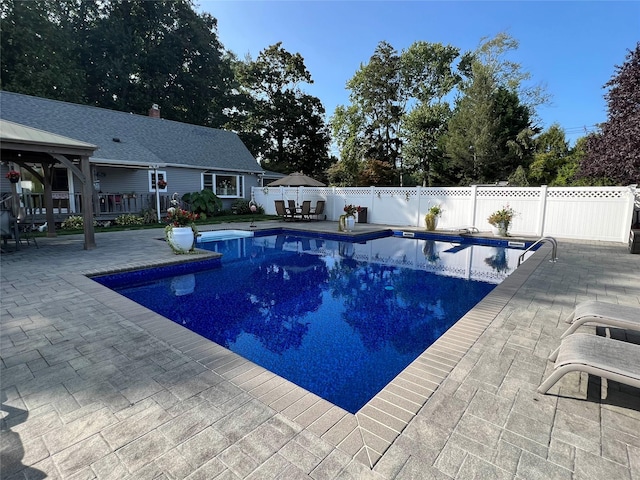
{"points": [[339, 319]]}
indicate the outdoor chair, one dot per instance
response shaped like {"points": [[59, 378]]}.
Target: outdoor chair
{"points": [[282, 211], [305, 211], [318, 210], [603, 314], [26, 226], [596, 355]]}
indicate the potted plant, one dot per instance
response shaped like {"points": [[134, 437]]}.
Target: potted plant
{"points": [[181, 231], [431, 218], [162, 184], [501, 220], [347, 221], [13, 176]]}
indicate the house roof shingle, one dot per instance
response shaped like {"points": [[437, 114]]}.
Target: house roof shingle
{"points": [[126, 138]]}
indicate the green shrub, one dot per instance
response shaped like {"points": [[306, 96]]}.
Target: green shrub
{"points": [[74, 222], [205, 202], [242, 207], [129, 219], [149, 216]]}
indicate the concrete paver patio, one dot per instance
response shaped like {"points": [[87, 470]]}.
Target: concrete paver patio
{"points": [[95, 386]]}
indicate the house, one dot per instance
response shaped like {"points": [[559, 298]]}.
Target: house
{"points": [[135, 154]]}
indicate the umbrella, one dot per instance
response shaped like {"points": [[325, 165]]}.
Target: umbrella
{"points": [[297, 179]]}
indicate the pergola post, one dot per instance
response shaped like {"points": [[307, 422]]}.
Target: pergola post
{"points": [[48, 200], [87, 204]]}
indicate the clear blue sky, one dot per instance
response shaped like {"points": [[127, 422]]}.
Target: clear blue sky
{"points": [[571, 48]]}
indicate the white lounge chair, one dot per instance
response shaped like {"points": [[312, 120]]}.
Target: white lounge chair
{"points": [[601, 313], [595, 355]]}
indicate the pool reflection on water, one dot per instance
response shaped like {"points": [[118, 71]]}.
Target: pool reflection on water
{"points": [[339, 319]]}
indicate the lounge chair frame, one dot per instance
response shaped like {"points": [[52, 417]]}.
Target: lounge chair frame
{"points": [[595, 355], [601, 313]]}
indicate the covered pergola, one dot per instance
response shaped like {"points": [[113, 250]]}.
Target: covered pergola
{"points": [[29, 147]]}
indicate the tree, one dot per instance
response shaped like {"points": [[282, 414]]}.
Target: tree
{"points": [[491, 133], [383, 93], [159, 52], [293, 135], [552, 151], [423, 127], [38, 55], [614, 152]]}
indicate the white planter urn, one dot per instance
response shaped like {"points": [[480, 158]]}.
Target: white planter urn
{"points": [[499, 230], [350, 223], [181, 239]]}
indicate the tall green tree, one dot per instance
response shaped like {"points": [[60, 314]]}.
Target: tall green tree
{"points": [[614, 152], [491, 131], [160, 52], [293, 134], [39, 55], [423, 128], [552, 150], [383, 92]]}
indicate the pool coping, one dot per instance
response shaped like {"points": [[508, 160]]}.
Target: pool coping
{"points": [[366, 435]]}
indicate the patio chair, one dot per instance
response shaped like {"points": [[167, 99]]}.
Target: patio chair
{"points": [[305, 211], [601, 313], [595, 355], [26, 226], [318, 210], [282, 211]]}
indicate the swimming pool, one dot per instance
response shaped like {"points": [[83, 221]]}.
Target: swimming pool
{"points": [[338, 318]]}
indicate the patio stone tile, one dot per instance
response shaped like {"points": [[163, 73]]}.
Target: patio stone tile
{"points": [[80, 455], [562, 454], [578, 431], [203, 446], [534, 467], [341, 430], [214, 468], [272, 469], [415, 468], [507, 457], [490, 408], [474, 468], [243, 420], [184, 426], [450, 460], [479, 430], [135, 426], [594, 466], [109, 467], [77, 430], [539, 432], [300, 456], [330, 466]]}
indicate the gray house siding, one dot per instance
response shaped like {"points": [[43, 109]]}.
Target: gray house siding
{"points": [[130, 145]]}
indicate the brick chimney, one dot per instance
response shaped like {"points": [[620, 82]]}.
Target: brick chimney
{"points": [[154, 111]]}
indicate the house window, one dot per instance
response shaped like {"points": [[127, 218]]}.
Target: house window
{"points": [[162, 181], [225, 186]]}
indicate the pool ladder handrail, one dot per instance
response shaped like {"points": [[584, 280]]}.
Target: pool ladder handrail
{"points": [[554, 249]]}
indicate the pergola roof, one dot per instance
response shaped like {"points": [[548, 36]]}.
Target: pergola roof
{"points": [[14, 136], [27, 145]]}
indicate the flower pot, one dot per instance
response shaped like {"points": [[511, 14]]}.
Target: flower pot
{"points": [[350, 223], [181, 239], [499, 230], [431, 221], [14, 179]]}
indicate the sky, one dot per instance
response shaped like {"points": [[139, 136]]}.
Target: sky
{"points": [[570, 48]]}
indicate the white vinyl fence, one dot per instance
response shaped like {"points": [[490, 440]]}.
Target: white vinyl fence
{"points": [[585, 213]]}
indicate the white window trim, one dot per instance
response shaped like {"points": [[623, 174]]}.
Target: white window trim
{"points": [[162, 174]]}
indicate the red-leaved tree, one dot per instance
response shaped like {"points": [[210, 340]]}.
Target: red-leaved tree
{"points": [[614, 152]]}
